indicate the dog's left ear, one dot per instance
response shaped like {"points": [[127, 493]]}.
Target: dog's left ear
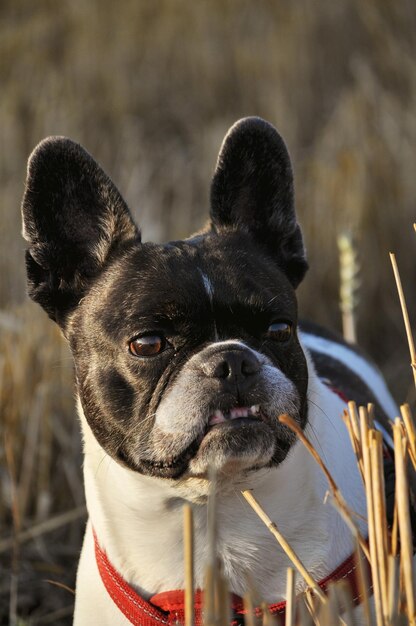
{"points": [[252, 190]]}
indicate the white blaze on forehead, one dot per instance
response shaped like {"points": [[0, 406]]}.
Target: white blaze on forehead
{"points": [[210, 292], [208, 285]]}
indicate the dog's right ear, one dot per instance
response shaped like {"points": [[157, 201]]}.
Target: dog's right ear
{"points": [[74, 220]]}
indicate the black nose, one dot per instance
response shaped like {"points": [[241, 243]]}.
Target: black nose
{"points": [[235, 366]]}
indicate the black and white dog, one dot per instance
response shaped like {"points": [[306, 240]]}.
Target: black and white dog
{"points": [[185, 355]]}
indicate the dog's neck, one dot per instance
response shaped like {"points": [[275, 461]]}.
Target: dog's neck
{"points": [[139, 520]]}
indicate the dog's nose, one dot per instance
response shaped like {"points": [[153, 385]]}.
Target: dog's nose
{"points": [[231, 365]]}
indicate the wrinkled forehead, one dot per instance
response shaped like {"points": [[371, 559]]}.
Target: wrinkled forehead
{"points": [[188, 280]]}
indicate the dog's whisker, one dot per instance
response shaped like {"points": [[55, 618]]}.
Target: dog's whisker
{"points": [[103, 458], [135, 426]]}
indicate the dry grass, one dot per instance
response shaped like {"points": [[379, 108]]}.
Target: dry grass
{"points": [[392, 571], [41, 509]]}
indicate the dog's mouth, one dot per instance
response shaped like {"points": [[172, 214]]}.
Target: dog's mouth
{"points": [[236, 413], [234, 432], [233, 417]]}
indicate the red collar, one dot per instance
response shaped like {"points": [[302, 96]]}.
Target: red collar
{"points": [[168, 607]]}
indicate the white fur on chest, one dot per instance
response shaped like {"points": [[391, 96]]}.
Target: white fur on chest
{"points": [[138, 519]]}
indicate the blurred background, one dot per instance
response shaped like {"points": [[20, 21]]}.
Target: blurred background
{"points": [[150, 87]]}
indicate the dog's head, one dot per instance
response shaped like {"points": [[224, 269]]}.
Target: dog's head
{"points": [[187, 352]]}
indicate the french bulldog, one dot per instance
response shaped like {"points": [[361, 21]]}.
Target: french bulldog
{"points": [[185, 355]]}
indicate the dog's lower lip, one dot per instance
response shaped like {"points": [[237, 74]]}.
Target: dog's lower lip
{"points": [[171, 467], [234, 423]]}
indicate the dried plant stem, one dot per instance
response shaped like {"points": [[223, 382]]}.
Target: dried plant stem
{"points": [[305, 618], [349, 269], [210, 618], [249, 608], [59, 614], [312, 608], [363, 586], [13, 596], [355, 420], [349, 422], [345, 604], [393, 595], [268, 618], [223, 597], [380, 526], [411, 432], [370, 415], [348, 326], [188, 528], [404, 520], [375, 571], [405, 314], [45, 527], [329, 614], [209, 597], [44, 472], [284, 544], [290, 597], [395, 531], [288, 421], [30, 454]]}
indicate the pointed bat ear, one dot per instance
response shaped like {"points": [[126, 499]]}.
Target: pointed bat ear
{"points": [[252, 190], [74, 220]]}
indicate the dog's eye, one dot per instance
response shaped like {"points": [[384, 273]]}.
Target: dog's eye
{"points": [[148, 345], [280, 331]]}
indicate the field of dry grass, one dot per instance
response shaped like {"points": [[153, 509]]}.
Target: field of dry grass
{"points": [[150, 88]]}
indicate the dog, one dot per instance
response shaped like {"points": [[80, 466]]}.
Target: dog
{"points": [[185, 354]]}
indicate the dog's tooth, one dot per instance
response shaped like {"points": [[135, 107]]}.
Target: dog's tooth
{"points": [[240, 411], [217, 418]]}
